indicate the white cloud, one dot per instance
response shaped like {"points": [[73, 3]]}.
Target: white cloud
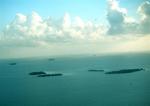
{"points": [[114, 5], [66, 21], [144, 10], [34, 28], [79, 22], [120, 22], [35, 31], [20, 18]]}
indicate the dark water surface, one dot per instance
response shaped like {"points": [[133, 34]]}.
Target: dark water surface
{"points": [[78, 86]]}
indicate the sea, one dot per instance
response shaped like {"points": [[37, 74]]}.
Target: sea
{"points": [[77, 86]]}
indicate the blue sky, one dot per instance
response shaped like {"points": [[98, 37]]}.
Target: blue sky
{"points": [[55, 8], [86, 9]]}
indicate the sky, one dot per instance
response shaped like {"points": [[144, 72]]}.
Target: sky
{"points": [[87, 9], [64, 27]]}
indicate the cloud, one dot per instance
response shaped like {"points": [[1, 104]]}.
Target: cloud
{"points": [[138, 44], [34, 28], [144, 11], [26, 26], [74, 34], [119, 21], [66, 21]]}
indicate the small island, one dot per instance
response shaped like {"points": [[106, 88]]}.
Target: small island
{"points": [[96, 70], [12, 63], [44, 74], [47, 75], [124, 71], [37, 73], [51, 59]]}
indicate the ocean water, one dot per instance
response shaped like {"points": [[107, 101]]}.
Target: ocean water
{"points": [[78, 86]]}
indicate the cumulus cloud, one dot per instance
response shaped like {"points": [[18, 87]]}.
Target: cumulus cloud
{"points": [[34, 31], [34, 27], [144, 11], [119, 21], [75, 28]]}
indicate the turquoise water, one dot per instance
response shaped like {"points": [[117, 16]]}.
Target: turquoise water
{"points": [[77, 87]]}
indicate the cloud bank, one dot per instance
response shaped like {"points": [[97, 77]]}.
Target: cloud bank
{"points": [[122, 30], [65, 29]]}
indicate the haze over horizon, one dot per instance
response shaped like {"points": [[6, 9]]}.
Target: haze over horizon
{"points": [[31, 28]]}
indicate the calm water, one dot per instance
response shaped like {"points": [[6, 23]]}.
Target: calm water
{"points": [[77, 87]]}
